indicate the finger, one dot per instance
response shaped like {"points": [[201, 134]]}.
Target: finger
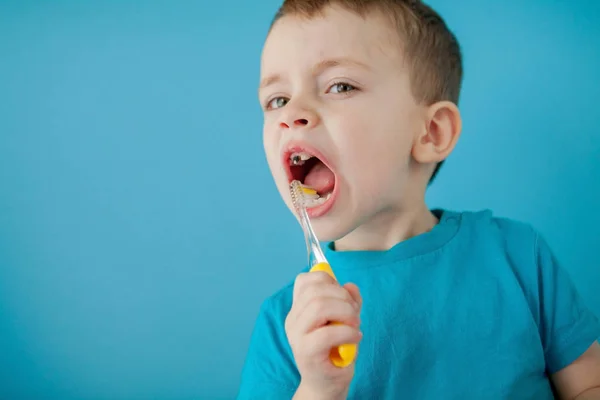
{"points": [[314, 291], [319, 342], [323, 310], [320, 289], [308, 278], [354, 293]]}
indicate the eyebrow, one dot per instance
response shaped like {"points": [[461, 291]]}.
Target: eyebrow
{"points": [[317, 69]]}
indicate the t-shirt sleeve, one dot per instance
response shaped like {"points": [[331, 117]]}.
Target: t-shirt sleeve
{"points": [[270, 370], [568, 327]]}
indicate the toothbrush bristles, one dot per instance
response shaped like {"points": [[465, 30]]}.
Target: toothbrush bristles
{"points": [[297, 195], [305, 196]]}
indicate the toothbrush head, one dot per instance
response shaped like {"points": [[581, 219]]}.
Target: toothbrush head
{"points": [[301, 195], [302, 198]]}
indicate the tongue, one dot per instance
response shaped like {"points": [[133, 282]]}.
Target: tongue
{"points": [[320, 178]]}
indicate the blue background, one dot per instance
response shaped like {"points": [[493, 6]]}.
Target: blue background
{"points": [[139, 226]]}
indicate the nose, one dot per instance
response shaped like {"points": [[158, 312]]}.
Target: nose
{"points": [[299, 118]]}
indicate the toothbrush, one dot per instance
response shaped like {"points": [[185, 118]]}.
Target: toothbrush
{"points": [[342, 355]]}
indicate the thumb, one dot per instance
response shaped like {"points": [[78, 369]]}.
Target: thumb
{"points": [[354, 292]]}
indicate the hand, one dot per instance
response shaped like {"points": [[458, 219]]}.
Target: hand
{"points": [[318, 300]]}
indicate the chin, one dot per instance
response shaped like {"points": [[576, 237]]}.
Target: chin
{"points": [[329, 228]]}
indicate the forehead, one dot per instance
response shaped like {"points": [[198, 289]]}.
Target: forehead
{"points": [[296, 41]]}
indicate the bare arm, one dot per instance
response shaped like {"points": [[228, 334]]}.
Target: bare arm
{"points": [[581, 379]]}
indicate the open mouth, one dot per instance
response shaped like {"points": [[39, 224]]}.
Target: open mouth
{"points": [[313, 173]]}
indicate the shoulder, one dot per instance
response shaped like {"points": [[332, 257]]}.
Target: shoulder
{"points": [[279, 302], [269, 369], [272, 314], [515, 249], [516, 238], [277, 305], [486, 222], [509, 248]]}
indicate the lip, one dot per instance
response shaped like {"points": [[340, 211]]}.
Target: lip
{"points": [[299, 146], [315, 212]]}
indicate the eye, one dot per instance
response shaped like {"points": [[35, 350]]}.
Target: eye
{"points": [[341, 87], [277, 102]]}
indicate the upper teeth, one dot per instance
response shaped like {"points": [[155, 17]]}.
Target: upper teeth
{"points": [[299, 158]]}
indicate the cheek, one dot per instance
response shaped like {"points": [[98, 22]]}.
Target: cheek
{"points": [[377, 159], [271, 149]]}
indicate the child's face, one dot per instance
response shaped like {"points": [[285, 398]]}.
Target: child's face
{"points": [[341, 89]]}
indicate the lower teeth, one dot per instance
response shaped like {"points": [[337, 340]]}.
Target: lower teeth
{"points": [[317, 201]]}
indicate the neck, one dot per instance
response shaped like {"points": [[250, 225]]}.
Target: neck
{"points": [[388, 228]]}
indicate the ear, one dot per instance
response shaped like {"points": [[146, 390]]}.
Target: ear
{"points": [[442, 130]]}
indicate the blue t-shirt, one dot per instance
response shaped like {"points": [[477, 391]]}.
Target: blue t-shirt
{"points": [[477, 308]]}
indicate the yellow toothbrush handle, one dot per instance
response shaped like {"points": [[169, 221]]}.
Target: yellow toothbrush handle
{"points": [[342, 355]]}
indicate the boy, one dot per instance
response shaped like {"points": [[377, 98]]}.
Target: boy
{"points": [[452, 305]]}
